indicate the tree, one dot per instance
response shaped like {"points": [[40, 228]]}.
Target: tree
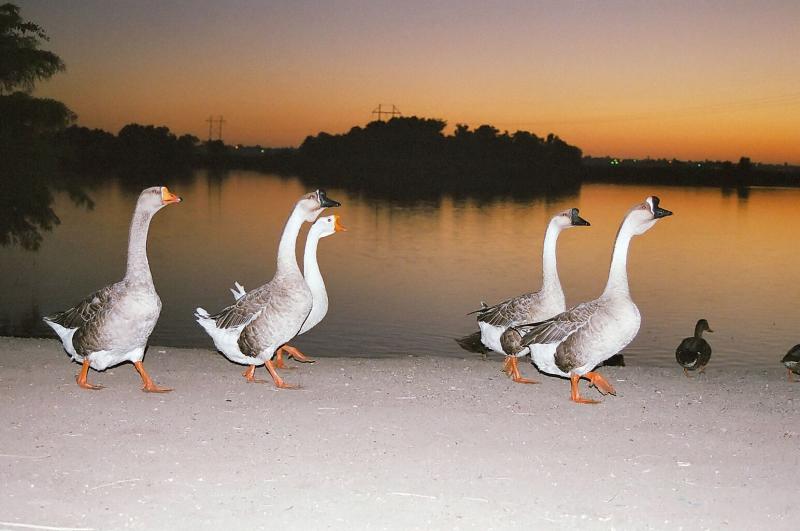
{"points": [[22, 63]]}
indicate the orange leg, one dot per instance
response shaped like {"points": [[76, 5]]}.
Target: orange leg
{"points": [[515, 374], [296, 355], [507, 365], [279, 358], [600, 383], [149, 385], [686, 372], [279, 383], [248, 375], [789, 375], [575, 395], [81, 378]]}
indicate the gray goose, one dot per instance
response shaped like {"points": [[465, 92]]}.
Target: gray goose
{"points": [[574, 342], [494, 321], [112, 325], [262, 320], [694, 352]]}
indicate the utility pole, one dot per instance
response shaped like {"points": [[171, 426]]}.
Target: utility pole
{"points": [[380, 112], [219, 128], [210, 125], [211, 121]]}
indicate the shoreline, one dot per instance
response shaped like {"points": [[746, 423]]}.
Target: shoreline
{"points": [[391, 443]]}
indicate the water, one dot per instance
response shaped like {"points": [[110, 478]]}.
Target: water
{"points": [[403, 277]]}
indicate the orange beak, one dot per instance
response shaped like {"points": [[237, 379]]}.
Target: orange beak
{"points": [[168, 197], [338, 227]]}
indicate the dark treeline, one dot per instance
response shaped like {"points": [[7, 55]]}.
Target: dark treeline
{"points": [[414, 153]]}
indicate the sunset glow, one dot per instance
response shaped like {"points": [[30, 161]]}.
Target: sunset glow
{"points": [[711, 80]]}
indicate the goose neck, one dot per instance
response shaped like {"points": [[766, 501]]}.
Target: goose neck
{"points": [[287, 259], [311, 270], [138, 268], [550, 280], [618, 273], [698, 331]]}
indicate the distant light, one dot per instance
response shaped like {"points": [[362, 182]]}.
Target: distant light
{"points": [[262, 151]]}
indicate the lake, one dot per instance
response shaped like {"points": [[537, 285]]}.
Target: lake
{"points": [[404, 276]]}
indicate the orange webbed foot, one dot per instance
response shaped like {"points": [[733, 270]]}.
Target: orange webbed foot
{"points": [[515, 374], [279, 383], [600, 383], [249, 373], [149, 386], [80, 379], [296, 355], [575, 395]]}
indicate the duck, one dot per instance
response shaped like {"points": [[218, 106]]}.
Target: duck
{"points": [[574, 342], [322, 228], [113, 324], [494, 321], [251, 330], [694, 352], [792, 362]]}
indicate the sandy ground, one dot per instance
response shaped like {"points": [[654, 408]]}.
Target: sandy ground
{"points": [[404, 443]]}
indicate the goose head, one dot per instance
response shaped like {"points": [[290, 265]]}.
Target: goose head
{"points": [[327, 225], [155, 198], [569, 218], [311, 205], [644, 215]]}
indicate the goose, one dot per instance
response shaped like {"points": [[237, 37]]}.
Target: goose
{"points": [[250, 331], [113, 324], [574, 342], [694, 352], [792, 362], [494, 321], [321, 228]]}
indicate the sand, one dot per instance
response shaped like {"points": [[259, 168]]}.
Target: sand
{"points": [[400, 443]]}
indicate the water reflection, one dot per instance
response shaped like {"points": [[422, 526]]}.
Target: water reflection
{"points": [[402, 279]]}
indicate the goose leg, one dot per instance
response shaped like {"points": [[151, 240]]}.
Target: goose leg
{"points": [[507, 365], [515, 374], [296, 355], [790, 377], [82, 383], [600, 383], [248, 375], [279, 383], [686, 372], [575, 395], [279, 359], [149, 385]]}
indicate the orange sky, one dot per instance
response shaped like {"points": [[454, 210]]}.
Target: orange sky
{"points": [[691, 80]]}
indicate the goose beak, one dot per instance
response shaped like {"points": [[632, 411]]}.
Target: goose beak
{"points": [[659, 212], [709, 330], [168, 197], [578, 221], [338, 227], [325, 201]]}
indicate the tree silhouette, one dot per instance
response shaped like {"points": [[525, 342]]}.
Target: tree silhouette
{"points": [[23, 63]]}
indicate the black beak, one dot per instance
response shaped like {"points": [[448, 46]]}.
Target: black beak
{"points": [[578, 221], [659, 212], [325, 201]]}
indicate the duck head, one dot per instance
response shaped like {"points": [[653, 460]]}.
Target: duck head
{"points": [[327, 225], [569, 218], [312, 205], [644, 215], [701, 326], [155, 198]]}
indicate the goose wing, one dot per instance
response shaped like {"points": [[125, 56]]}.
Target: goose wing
{"points": [[560, 327], [88, 310], [245, 309], [510, 312]]}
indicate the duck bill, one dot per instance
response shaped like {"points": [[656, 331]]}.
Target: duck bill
{"points": [[325, 201], [337, 226], [168, 197]]}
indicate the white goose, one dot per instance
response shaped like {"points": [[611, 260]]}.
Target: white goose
{"points": [[574, 342], [494, 321], [322, 228], [258, 323], [113, 324]]}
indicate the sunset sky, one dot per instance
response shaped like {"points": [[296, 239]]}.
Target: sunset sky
{"points": [[691, 80]]}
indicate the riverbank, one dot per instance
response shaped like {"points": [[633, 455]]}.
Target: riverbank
{"points": [[399, 443]]}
